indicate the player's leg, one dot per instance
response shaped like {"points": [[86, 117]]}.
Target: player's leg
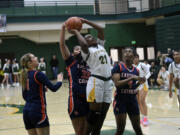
{"points": [[92, 117], [78, 109], [94, 93], [121, 123], [135, 120], [134, 114], [143, 105], [32, 131], [140, 106], [78, 125], [107, 99], [42, 126], [43, 131], [104, 110]]}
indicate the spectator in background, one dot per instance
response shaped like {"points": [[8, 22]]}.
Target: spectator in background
{"points": [[170, 53], [42, 65], [154, 71], [15, 71], [163, 78], [159, 59], [168, 58], [54, 66], [147, 64]]}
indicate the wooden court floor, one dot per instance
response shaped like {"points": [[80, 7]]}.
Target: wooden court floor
{"points": [[164, 116]]}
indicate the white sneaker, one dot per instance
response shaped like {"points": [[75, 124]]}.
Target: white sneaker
{"points": [[17, 84], [2, 86], [8, 86]]}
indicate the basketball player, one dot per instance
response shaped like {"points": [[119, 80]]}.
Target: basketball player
{"points": [[33, 87], [125, 77], [143, 89], [99, 87], [174, 71], [78, 76]]}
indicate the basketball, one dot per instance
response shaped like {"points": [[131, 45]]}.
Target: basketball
{"points": [[74, 23]]}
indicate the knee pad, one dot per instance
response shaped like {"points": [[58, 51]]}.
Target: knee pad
{"points": [[93, 116]]}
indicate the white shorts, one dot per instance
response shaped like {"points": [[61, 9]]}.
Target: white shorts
{"points": [[6, 74], [15, 73], [98, 90], [143, 86]]}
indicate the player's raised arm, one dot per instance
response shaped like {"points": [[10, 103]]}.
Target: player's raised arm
{"points": [[63, 48], [81, 39], [95, 26]]}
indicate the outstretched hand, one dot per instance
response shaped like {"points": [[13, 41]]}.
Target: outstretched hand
{"points": [[83, 20], [72, 31]]}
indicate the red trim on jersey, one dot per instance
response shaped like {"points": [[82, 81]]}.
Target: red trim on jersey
{"points": [[36, 79], [120, 68], [41, 97], [71, 65], [71, 103], [127, 68]]}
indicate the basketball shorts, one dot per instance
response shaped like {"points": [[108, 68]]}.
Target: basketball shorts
{"points": [[125, 103], [77, 107], [35, 120], [98, 90], [143, 86]]}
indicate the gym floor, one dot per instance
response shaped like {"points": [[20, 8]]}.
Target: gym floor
{"points": [[164, 116]]}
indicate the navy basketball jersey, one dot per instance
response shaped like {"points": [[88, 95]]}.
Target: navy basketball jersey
{"points": [[34, 93], [78, 75], [125, 73]]}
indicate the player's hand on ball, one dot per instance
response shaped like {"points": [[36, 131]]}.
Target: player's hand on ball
{"points": [[72, 31], [83, 20]]}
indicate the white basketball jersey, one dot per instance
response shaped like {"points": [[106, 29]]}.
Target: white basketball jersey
{"points": [[143, 70], [174, 69], [98, 61]]}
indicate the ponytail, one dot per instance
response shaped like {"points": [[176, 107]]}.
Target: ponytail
{"points": [[24, 73], [23, 78]]}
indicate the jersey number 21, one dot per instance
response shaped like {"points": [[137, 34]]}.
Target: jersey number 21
{"points": [[103, 59]]}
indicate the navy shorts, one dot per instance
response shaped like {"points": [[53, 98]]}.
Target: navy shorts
{"points": [[125, 103], [77, 107], [35, 120]]}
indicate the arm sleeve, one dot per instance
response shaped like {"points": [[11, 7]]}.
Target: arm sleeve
{"points": [[146, 71], [42, 78]]}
